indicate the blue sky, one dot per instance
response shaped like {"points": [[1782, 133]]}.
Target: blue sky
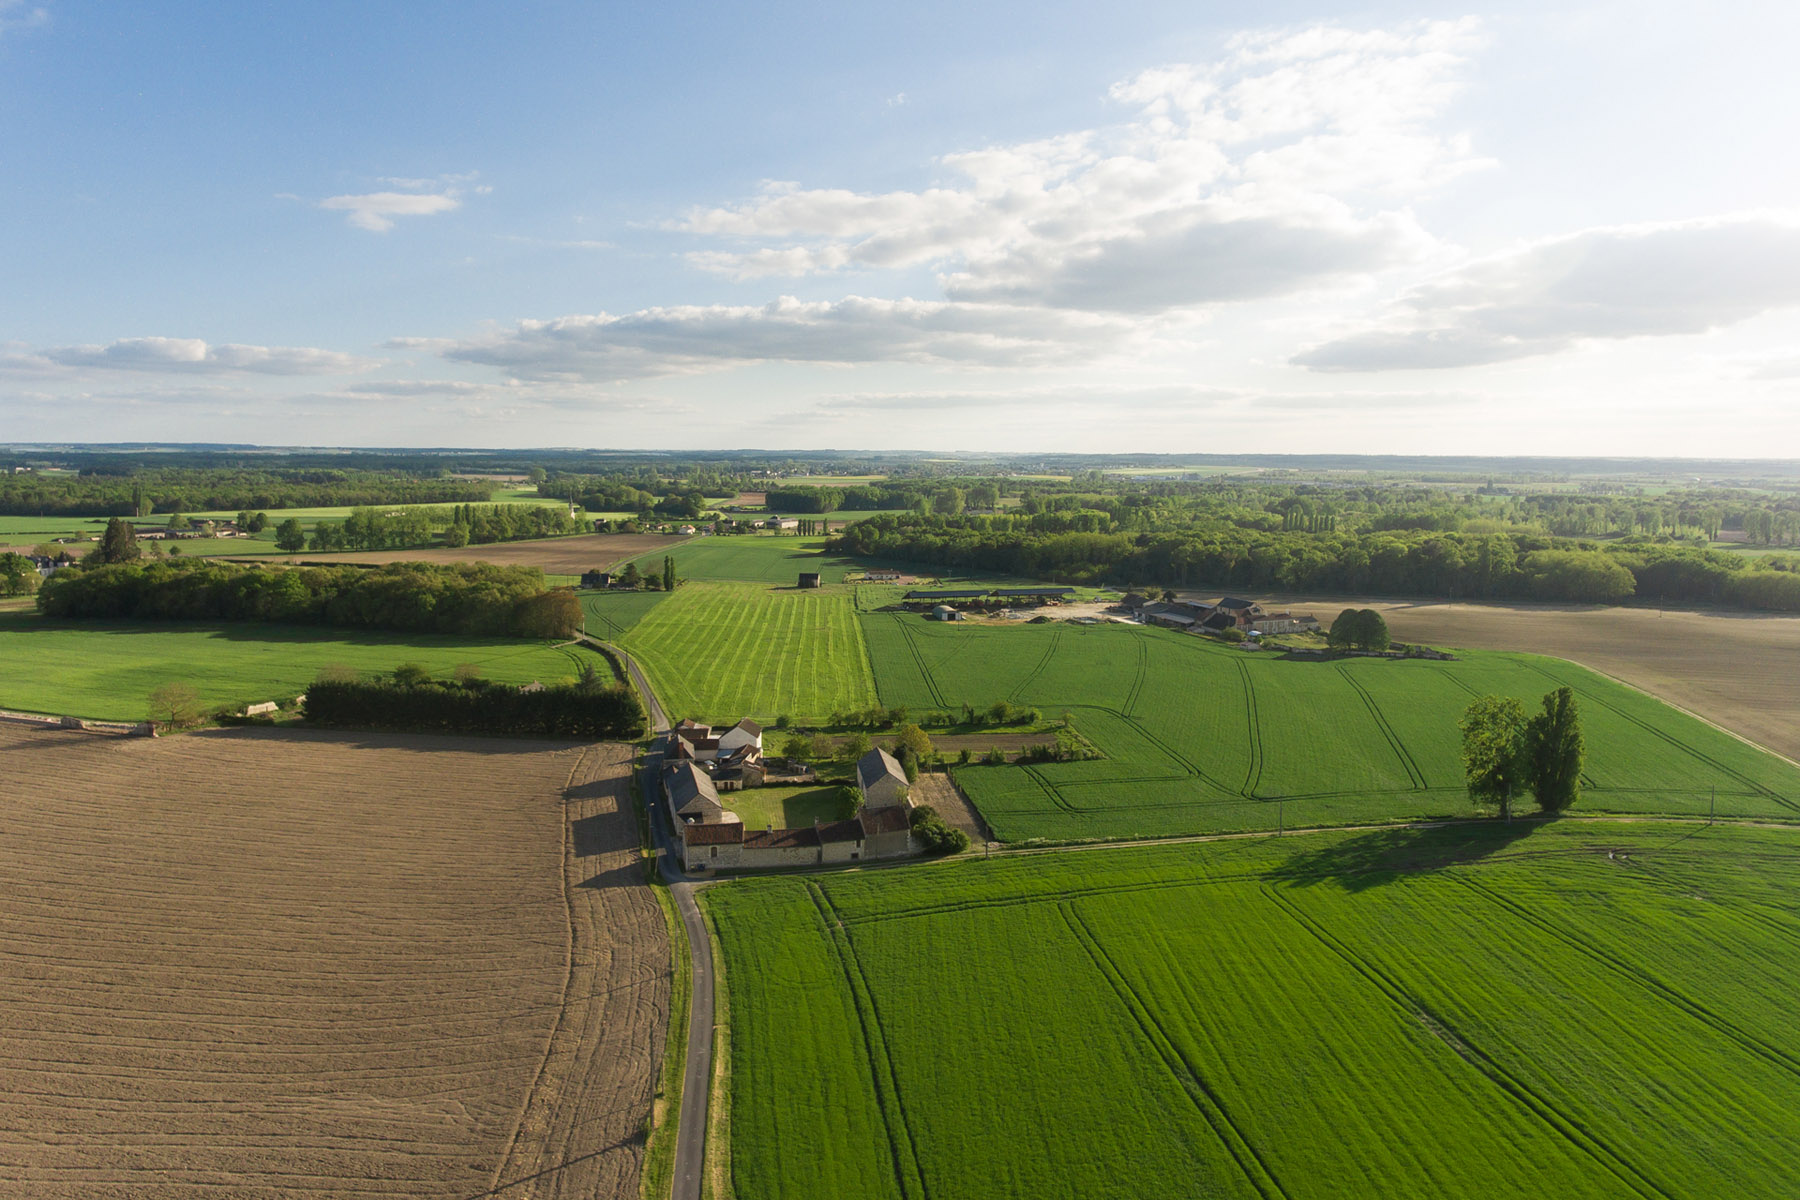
{"points": [[1537, 228]]}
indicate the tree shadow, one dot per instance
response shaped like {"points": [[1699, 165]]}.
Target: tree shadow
{"points": [[1382, 856]]}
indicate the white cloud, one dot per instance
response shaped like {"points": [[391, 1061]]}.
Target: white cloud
{"points": [[1630, 281], [1287, 163], [663, 341], [16, 15], [375, 211], [190, 356]]}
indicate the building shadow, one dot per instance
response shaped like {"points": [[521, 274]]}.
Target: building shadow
{"points": [[1381, 856]]}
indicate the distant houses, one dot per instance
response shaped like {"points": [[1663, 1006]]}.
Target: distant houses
{"points": [[1229, 612]]}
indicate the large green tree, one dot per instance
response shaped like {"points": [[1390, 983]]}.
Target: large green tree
{"points": [[1554, 746], [290, 536], [119, 543], [1494, 752]]}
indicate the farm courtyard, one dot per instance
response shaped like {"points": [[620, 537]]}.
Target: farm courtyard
{"points": [[279, 965]]}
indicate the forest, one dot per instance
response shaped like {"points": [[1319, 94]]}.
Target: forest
{"points": [[213, 489]]}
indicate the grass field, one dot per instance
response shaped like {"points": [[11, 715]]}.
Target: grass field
{"points": [[722, 651], [791, 807], [303, 966], [752, 559], [1199, 738], [1567, 1010], [107, 670], [611, 614]]}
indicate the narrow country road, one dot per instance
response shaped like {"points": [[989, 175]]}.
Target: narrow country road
{"points": [[696, 1088]]}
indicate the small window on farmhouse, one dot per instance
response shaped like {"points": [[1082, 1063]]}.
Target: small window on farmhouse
{"points": [[715, 852]]}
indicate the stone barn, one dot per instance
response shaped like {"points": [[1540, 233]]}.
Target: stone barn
{"points": [[881, 781]]}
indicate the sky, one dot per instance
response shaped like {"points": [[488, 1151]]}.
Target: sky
{"points": [[1568, 228]]}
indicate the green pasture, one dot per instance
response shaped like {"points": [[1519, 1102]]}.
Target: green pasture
{"points": [[1201, 738], [791, 807], [107, 669], [611, 614], [29, 531], [1564, 1009], [751, 558], [722, 651]]}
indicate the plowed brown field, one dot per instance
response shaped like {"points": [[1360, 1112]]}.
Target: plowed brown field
{"points": [[557, 556], [1738, 670], [273, 965]]}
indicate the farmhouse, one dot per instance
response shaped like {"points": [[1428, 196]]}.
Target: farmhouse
{"points": [[596, 579], [881, 781]]}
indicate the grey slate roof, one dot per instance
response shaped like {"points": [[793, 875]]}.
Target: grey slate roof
{"points": [[872, 767], [688, 785]]}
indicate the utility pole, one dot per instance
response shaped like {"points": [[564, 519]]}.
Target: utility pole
{"points": [[1712, 809]]}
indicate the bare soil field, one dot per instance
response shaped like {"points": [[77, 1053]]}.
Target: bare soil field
{"points": [[557, 556], [1738, 670], [269, 964], [938, 790]]}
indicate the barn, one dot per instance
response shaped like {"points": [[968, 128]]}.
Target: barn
{"points": [[809, 579]]}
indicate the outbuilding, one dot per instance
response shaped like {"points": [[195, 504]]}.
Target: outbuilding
{"points": [[809, 579]]}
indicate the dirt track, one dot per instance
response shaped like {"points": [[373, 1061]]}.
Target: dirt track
{"points": [[1739, 670], [273, 965], [557, 556]]}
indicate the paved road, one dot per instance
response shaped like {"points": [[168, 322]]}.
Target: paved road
{"points": [[696, 1087]]}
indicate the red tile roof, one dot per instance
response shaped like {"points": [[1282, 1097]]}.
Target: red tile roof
{"points": [[713, 835]]}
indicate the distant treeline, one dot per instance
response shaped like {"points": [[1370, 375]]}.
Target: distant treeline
{"points": [[471, 599], [480, 524], [172, 490], [649, 497], [919, 496], [1471, 566], [581, 712]]}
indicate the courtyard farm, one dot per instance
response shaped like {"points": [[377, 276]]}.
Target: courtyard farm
{"points": [[715, 836]]}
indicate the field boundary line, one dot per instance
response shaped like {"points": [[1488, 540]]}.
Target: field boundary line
{"points": [[1213, 1110], [1397, 994], [1670, 739], [1643, 979], [881, 1064], [1387, 731], [495, 1187]]}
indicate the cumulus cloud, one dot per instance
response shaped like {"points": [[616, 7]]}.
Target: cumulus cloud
{"points": [[1630, 281], [1288, 162], [184, 356], [375, 211], [664, 341]]}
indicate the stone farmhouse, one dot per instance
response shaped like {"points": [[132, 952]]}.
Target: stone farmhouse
{"points": [[713, 837]]}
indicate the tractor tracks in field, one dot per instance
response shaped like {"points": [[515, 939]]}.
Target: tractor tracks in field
{"points": [[902, 1146], [1407, 762], [1253, 772], [1205, 1101], [1666, 992], [1540, 1106]]}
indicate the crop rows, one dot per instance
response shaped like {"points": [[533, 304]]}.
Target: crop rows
{"points": [[1200, 739], [720, 651], [1406, 1012], [750, 559]]}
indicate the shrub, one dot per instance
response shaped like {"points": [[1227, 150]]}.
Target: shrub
{"points": [[934, 834]]}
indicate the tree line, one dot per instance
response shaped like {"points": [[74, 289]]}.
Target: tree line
{"points": [[585, 711], [140, 493], [1510, 566], [470, 599], [1505, 753]]}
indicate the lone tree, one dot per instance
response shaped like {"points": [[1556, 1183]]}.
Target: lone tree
{"points": [[175, 705], [119, 543], [668, 574], [1555, 749], [290, 536], [1493, 751], [1363, 628]]}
